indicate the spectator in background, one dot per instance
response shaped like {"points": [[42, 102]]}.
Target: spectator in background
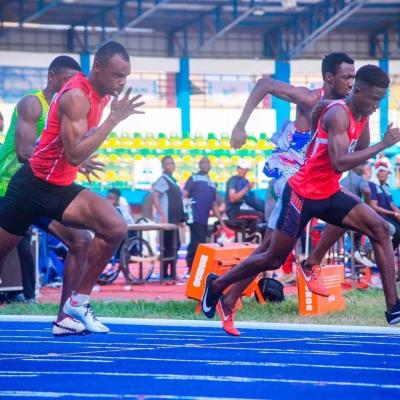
{"points": [[200, 197], [381, 199], [239, 199], [356, 184], [167, 200], [121, 204]]}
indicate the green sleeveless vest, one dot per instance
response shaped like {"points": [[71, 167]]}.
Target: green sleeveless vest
{"points": [[9, 163]]}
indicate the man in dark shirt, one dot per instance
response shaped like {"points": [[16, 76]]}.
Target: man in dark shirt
{"points": [[382, 201], [201, 196], [239, 199]]}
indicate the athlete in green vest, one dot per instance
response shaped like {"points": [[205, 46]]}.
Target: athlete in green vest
{"points": [[27, 122]]}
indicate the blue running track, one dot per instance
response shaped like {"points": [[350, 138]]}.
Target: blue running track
{"points": [[196, 360]]}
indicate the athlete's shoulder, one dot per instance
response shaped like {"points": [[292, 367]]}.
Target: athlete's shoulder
{"points": [[30, 104]]}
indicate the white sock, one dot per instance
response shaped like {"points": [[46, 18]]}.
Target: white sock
{"points": [[79, 299]]}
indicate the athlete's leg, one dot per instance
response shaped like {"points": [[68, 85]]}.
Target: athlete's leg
{"points": [[367, 221], [78, 242], [7, 242], [236, 290], [90, 211], [280, 247], [329, 237]]}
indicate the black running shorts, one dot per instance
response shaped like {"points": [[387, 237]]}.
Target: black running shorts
{"points": [[28, 198], [296, 211]]}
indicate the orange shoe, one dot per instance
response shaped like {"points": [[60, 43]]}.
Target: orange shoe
{"points": [[313, 280], [227, 319]]}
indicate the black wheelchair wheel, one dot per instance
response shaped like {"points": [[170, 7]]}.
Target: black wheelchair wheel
{"points": [[137, 260]]}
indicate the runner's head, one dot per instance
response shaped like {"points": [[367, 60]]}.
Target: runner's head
{"points": [[338, 74], [111, 67], [370, 88], [60, 70]]}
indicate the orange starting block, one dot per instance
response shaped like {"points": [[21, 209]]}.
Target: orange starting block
{"points": [[312, 304], [217, 258]]}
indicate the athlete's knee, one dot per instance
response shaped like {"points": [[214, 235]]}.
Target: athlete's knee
{"points": [[117, 231], [80, 241], [380, 230]]}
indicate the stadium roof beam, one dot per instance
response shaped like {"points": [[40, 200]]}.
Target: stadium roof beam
{"points": [[216, 13], [42, 9], [219, 33], [308, 27], [141, 15]]}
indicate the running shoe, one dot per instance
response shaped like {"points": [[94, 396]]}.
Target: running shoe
{"points": [[313, 280], [85, 314], [393, 316], [69, 326], [227, 318], [362, 259], [210, 299]]}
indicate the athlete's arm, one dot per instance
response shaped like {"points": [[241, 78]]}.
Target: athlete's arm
{"points": [[301, 96], [29, 111], [364, 140], [74, 107], [336, 122]]}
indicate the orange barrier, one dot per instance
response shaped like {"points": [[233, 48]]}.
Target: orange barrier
{"points": [[217, 258], [312, 304]]}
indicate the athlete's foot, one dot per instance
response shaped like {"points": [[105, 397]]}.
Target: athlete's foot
{"points": [[313, 279], [209, 299], [85, 314], [227, 318], [393, 316], [69, 326]]}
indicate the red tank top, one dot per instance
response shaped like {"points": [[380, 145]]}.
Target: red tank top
{"points": [[48, 161], [317, 179]]}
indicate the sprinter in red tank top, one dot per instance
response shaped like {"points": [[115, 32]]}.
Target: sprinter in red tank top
{"points": [[339, 127], [44, 186]]}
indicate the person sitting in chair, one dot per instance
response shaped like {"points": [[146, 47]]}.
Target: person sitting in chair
{"points": [[240, 201]]}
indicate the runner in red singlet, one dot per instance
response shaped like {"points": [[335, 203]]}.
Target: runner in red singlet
{"points": [[291, 145], [44, 186], [315, 192]]}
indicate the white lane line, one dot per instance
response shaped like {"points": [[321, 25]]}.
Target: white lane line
{"points": [[52, 395], [255, 364], [217, 324], [208, 378], [65, 360]]}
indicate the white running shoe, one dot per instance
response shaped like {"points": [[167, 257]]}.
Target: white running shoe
{"points": [[362, 259], [85, 314], [69, 326]]}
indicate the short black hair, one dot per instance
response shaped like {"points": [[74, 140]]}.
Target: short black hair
{"points": [[373, 76], [164, 159], [115, 191], [108, 50], [63, 62], [333, 60]]}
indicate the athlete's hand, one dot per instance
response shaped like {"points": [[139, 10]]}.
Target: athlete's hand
{"points": [[238, 137], [90, 166], [123, 108], [392, 135]]}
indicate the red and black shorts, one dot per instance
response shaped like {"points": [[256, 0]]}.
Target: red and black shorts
{"points": [[28, 198], [296, 211]]}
